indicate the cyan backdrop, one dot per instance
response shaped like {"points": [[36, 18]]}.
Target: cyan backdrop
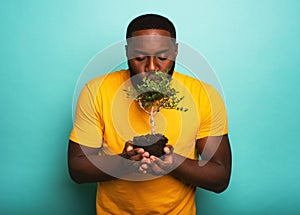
{"points": [[253, 47]]}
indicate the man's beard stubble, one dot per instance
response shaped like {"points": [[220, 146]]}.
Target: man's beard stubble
{"points": [[137, 79]]}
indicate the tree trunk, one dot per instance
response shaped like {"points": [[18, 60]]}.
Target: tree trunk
{"points": [[152, 123]]}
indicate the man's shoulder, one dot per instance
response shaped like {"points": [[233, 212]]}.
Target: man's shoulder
{"points": [[188, 80], [112, 78], [195, 85]]}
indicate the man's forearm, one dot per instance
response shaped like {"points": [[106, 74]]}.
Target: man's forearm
{"points": [[208, 175], [94, 168]]}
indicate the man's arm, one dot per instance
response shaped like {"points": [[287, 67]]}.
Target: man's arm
{"points": [[211, 173], [85, 165]]}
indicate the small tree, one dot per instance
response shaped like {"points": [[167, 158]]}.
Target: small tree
{"points": [[153, 94]]}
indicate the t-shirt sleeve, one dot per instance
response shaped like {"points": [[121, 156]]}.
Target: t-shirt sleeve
{"points": [[88, 126], [212, 112]]}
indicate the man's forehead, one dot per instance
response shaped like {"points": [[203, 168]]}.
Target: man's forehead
{"points": [[150, 39], [151, 42]]}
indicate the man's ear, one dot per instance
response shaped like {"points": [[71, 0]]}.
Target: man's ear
{"points": [[126, 50], [176, 50]]}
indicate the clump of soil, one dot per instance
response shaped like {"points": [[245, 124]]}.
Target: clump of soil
{"points": [[152, 143]]}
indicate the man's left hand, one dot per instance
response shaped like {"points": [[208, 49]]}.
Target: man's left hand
{"points": [[159, 166]]}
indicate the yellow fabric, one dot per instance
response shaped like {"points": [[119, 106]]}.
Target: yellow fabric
{"points": [[106, 118]]}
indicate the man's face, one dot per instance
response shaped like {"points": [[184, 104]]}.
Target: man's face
{"points": [[151, 50]]}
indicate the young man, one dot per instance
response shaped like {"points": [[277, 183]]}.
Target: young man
{"points": [[130, 180]]}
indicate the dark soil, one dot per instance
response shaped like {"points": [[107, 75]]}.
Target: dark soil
{"points": [[152, 143]]}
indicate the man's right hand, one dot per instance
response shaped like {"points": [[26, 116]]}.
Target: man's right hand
{"points": [[134, 155]]}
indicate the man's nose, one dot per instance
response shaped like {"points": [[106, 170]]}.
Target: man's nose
{"points": [[151, 64]]}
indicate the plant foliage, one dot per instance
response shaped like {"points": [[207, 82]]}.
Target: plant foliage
{"points": [[155, 92]]}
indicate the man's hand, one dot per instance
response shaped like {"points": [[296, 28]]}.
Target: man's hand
{"points": [[158, 166], [134, 156]]}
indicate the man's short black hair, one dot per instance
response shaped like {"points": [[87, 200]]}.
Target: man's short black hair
{"points": [[150, 21]]}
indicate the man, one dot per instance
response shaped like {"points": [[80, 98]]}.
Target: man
{"points": [[130, 180]]}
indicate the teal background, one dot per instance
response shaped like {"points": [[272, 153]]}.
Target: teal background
{"points": [[253, 47]]}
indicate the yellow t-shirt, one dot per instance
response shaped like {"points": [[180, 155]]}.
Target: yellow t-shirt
{"points": [[106, 118]]}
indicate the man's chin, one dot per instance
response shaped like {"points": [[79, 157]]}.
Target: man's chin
{"points": [[137, 78], [134, 73]]}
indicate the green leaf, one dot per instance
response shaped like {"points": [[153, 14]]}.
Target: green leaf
{"points": [[156, 92]]}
